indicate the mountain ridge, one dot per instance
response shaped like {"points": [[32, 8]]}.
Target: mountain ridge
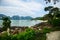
{"points": [[16, 17]]}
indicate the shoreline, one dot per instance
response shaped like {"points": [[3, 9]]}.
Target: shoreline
{"points": [[36, 25]]}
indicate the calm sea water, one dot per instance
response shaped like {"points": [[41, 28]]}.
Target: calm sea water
{"points": [[22, 22]]}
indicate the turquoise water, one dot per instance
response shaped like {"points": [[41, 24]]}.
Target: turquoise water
{"points": [[22, 22]]}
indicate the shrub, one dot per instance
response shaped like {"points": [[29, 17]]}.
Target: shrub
{"points": [[29, 34], [56, 22], [4, 36], [46, 30]]}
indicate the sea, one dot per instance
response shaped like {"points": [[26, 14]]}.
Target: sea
{"points": [[22, 23]]}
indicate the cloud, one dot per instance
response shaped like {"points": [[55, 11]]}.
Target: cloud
{"points": [[57, 5], [19, 7]]}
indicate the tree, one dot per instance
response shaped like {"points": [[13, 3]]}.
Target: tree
{"points": [[53, 11], [54, 1], [53, 14], [6, 23], [47, 17]]}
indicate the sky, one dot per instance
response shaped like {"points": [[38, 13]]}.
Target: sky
{"points": [[33, 8]]}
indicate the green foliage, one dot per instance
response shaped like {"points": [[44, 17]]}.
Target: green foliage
{"points": [[29, 34], [53, 16], [14, 37], [38, 18], [5, 36], [50, 1], [56, 24], [6, 23], [48, 8], [46, 30]]}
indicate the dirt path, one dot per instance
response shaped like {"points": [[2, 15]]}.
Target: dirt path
{"points": [[53, 35]]}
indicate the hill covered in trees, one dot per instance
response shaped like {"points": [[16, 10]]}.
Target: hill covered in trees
{"points": [[16, 17]]}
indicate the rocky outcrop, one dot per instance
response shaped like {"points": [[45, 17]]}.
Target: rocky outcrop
{"points": [[42, 25]]}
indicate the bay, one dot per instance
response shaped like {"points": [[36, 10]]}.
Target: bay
{"points": [[22, 22]]}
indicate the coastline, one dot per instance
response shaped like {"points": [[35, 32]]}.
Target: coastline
{"points": [[42, 24], [35, 27]]}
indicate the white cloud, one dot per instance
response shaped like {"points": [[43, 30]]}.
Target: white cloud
{"points": [[18, 7], [57, 5]]}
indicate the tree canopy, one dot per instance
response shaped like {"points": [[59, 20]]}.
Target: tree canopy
{"points": [[54, 1], [6, 23], [53, 15]]}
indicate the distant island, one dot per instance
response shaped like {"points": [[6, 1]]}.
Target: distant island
{"points": [[16, 17]]}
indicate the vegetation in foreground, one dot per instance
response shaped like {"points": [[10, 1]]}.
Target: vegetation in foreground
{"points": [[29, 34]]}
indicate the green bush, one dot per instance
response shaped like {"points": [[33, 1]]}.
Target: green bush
{"points": [[56, 22], [5, 36], [29, 34], [46, 30]]}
